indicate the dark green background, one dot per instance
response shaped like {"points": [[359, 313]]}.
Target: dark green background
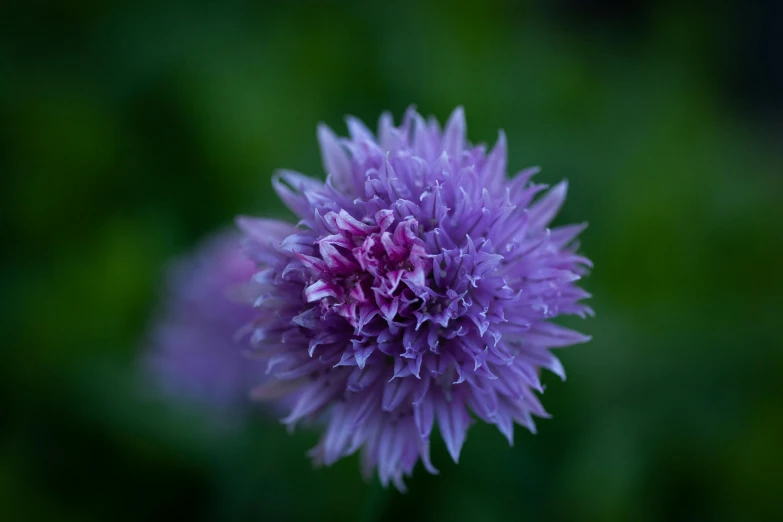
{"points": [[131, 130]]}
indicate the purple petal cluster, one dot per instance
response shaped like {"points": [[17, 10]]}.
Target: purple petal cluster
{"points": [[195, 354], [417, 288]]}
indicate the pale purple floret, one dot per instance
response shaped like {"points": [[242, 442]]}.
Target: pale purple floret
{"points": [[417, 288], [195, 354]]}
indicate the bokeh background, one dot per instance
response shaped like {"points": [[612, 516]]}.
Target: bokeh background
{"points": [[131, 130]]}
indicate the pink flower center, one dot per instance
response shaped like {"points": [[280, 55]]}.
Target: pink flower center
{"points": [[369, 270]]}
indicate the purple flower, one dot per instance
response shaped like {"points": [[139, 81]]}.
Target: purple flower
{"points": [[195, 354], [417, 288]]}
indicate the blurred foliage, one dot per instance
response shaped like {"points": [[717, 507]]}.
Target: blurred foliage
{"points": [[130, 130]]}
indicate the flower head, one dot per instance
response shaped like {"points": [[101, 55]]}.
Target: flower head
{"points": [[417, 288], [194, 350]]}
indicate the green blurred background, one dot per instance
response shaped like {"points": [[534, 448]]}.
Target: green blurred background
{"points": [[130, 130]]}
